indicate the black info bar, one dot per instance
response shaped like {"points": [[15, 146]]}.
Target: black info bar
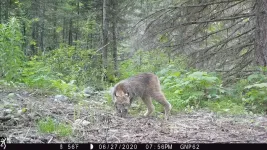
{"points": [[132, 146]]}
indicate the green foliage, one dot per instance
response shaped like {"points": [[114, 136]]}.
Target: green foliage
{"points": [[225, 106], [108, 97], [251, 92], [39, 75], [255, 97], [48, 125], [63, 70], [75, 64], [11, 55], [189, 88], [148, 61]]}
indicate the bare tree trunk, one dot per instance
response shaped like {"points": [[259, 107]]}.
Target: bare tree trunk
{"points": [[105, 35], [55, 27], [1, 17], [42, 27], [7, 9], [77, 23], [64, 30], [35, 26], [70, 32], [114, 38], [261, 33]]}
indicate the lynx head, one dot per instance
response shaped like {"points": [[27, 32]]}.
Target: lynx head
{"points": [[121, 100]]}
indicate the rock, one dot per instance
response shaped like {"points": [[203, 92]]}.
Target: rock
{"points": [[14, 140], [6, 112], [19, 112], [11, 95], [87, 95], [80, 122], [85, 123], [89, 90], [36, 141], [61, 98]]}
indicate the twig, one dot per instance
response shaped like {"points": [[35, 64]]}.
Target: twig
{"points": [[101, 48], [50, 139], [27, 132], [116, 138]]}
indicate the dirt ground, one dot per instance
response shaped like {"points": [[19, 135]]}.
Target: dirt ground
{"points": [[103, 125]]}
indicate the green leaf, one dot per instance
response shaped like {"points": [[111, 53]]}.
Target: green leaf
{"points": [[259, 85]]}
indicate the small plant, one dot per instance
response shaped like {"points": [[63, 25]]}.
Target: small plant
{"points": [[63, 129], [225, 106], [255, 97], [48, 125]]}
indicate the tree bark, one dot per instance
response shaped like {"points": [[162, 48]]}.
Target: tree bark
{"points": [[7, 10], [42, 29], [35, 26], [114, 38], [105, 35], [1, 17], [54, 45], [261, 33], [70, 32], [77, 23]]}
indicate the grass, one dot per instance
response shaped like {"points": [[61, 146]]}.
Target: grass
{"points": [[226, 107], [48, 125]]}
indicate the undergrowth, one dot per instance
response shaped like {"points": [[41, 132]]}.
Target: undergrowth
{"points": [[48, 125], [68, 69]]}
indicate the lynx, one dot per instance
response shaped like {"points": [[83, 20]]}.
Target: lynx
{"points": [[146, 86]]}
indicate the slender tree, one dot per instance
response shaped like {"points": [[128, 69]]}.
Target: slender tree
{"points": [[261, 33], [105, 35]]}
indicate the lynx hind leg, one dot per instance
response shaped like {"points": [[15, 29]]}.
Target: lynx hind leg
{"points": [[150, 107], [159, 97]]}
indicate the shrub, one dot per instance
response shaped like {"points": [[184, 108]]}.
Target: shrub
{"points": [[189, 88], [11, 55]]}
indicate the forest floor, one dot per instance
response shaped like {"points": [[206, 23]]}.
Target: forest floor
{"points": [[103, 125]]}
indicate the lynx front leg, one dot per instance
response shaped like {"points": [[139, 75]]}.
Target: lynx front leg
{"points": [[150, 106]]}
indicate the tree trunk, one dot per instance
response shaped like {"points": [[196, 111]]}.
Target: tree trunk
{"points": [[64, 30], [77, 23], [35, 27], [261, 33], [1, 17], [105, 35], [114, 38], [70, 33], [54, 46], [7, 5], [42, 27]]}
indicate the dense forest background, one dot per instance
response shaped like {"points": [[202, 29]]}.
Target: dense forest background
{"points": [[207, 53]]}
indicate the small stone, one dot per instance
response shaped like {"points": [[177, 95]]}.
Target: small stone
{"points": [[89, 90], [61, 98], [11, 95], [85, 123], [78, 121], [87, 95], [19, 112], [7, 111]]}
